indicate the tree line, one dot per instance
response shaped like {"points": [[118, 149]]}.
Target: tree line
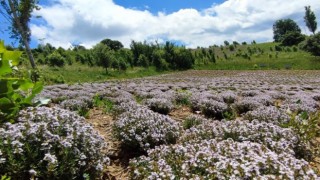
{"points": [[288, 33], [111, 54]]}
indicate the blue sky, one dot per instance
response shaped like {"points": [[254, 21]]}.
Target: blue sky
{"points": [[168, 6], [190, 22]]}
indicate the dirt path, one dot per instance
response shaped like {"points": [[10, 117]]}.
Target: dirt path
{"points": [[103, 123]]}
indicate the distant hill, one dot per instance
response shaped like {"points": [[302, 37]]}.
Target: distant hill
{"points": [[255, 56]]}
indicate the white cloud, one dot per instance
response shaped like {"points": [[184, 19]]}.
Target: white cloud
{"points": [[91, 21]]}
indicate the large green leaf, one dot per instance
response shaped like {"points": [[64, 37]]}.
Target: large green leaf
{"points": [[14, 56], [4, 89], [5, 67], [25, 85], [37, 88]]}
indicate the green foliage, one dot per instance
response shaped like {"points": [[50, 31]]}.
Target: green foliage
{"points": [[103, 56], [55, 59], [310, 19], [106, 104], [143, 61], [312, 45], [5, 177], [231, 47], [282, 27], [307, 127], [16, 91], [292, 38], [158, 60], [112, 44], [182, 60]]}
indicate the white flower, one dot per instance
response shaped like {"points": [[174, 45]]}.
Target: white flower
{"points": [[50, 158]]}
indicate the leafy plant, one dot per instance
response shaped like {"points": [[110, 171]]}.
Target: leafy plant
{"points": [[104, 103], [16, 90], [306, 126]]}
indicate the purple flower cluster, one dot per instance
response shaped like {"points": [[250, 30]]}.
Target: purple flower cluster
{"points": [[142, 129], [272, 136], [162, 106], [212, 159], [53, 142], [268, 114]]}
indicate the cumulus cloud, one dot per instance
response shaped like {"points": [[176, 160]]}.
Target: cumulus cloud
{"points": [[91, 21]]}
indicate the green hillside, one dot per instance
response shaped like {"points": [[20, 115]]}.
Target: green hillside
{"points": [[257, 56]]}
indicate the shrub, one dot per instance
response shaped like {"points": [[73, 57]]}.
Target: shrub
{"points": [[142, 129], [53, 143], [162, 106], [80, 105], [278, 48], [269, 114], [231, 47], [312, 45], [292, 38], [211, 159], [229, 97], [55, 59], [192, 121], [143, 61], [274, 137], [214, 109], [245, 105], [182, 97]]}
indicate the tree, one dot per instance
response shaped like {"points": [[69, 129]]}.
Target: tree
{"points": [[312, 45], [310, 19], [282, 27], [18, 13], [292, 38], [112, 44], [103, 55]]}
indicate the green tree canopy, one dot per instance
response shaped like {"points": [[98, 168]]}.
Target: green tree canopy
{"points": [[103, 55], [310, 20], [112, 44], [282, 27]]}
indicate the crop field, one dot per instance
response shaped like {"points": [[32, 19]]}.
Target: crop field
{"points": [[185, 125]]}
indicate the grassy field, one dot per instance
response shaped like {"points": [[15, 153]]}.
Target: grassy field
{"points": [[263, 56], [78, 73]]}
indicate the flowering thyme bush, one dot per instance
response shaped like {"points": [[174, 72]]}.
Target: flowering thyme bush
{"points": [[52, 143], [214, 109], [229, 97], [80, 105], [162, 106], [182, 97], [245, 105], [212, 159], [268, 114], [192, 121], [272, 136], [142, 129]]}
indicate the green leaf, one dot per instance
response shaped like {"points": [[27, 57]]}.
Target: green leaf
{"points": [[4, 88], [4, 101], [304, 115], [25, 85], [5, 67], [14, 56], [38, 86]]}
